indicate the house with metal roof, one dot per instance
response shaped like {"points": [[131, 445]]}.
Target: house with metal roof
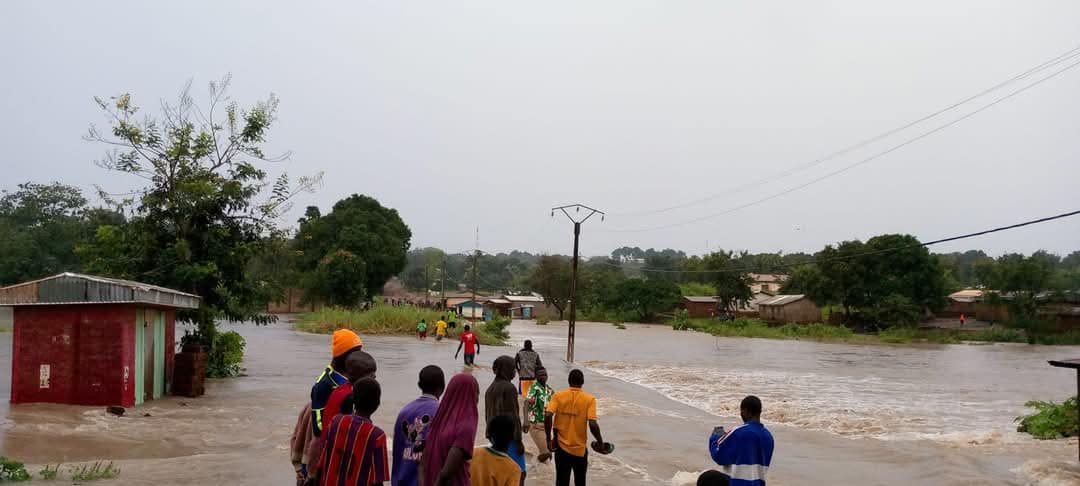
{"points": [[789, 308], [88, 340]]}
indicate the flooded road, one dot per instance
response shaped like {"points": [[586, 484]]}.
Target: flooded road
{"points": [[842, 414]]}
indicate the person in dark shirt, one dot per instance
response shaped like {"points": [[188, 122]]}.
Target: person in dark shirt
{"points": [[528, 361], [501, 398]]}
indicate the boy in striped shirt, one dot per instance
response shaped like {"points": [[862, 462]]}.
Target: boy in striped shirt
{"points": [[355, 453]]}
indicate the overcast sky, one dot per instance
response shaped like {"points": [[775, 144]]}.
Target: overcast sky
{"points": [[491, 114]]}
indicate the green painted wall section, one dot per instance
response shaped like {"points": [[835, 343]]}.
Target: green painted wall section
{"points": [[140, 359], [159, 354]]}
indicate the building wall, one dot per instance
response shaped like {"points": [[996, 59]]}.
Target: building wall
{"points": [[700, 309], [292, 303], [88, 351], [801, 311]]}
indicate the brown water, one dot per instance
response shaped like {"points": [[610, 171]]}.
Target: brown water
{"points": [[843, 414]]}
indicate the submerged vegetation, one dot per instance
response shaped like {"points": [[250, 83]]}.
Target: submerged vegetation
{"points": [[756, 328], [1051, 420]]}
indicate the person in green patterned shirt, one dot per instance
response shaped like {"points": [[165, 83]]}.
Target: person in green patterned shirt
{"points": [[536, 401]]}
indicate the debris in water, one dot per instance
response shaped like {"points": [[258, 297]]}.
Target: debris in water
{"points": [[146, 415], [115, 410]]}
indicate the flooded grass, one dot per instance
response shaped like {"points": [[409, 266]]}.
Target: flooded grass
{"points": [[387, 320], [755, 328]]}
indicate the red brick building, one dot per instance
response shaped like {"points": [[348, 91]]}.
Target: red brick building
{"points": [[87, 340]]}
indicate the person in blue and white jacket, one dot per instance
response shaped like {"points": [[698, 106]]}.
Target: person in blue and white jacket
{"points": [[744, 453]]}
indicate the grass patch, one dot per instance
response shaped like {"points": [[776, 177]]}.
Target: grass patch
{"points": [[93, 472], [4, 329], [49, 473], [1051, 420], [756, 328], [391, 320]]}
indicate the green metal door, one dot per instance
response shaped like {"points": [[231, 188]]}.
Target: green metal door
{"points": [[140, 358], [159, 353]]}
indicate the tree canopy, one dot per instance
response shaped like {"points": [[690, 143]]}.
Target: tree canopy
{"points": [[206, 207], [359, 234], [551, 278]]}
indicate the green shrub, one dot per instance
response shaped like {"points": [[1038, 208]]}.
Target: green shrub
{"points": [[13, 471], [681, 321], [493, 332], [1051, 420], [542, 321], [226, 355]]}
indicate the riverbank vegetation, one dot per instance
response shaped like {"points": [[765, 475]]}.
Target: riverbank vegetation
{"points": [[756, 328], [383, 319], [1051, 420]]}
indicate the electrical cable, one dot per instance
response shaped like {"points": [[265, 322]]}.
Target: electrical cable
{"points": [[1067, 55], [850, 166]]}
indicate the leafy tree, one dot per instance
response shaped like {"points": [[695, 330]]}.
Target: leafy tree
{"points": [[338, 279], [206, 208], [732, 283], [360, 234], [551, 279], [885, 278], [647, 297], [598, 285], [42, 225], [807, 280]]}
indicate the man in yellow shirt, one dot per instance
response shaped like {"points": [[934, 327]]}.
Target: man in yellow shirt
{"points": [[440, 329], [492, 466], [569, 413]]}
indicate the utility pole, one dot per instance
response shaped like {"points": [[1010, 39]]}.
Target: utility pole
{"points": [[574, 265], [442, 293], [475, 259]]}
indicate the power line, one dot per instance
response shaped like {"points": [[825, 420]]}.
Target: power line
{"points": [[1067, 55], [851, 166], [874, 252]]}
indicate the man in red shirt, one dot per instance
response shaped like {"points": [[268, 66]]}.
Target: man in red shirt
{"points": [[471, 345], [355, 452]]}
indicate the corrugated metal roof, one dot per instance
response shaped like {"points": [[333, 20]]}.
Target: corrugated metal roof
{"points": [[703, 299], [523, 298], [74, 288], [782, 299], [768, 277], [498, 301]]}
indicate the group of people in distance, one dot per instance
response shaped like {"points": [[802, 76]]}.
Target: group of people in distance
{"points": [[335, 442]]}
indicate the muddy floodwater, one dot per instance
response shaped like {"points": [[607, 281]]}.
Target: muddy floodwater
{"points": [[840, 414]]}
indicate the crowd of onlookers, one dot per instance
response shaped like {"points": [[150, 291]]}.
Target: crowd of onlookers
{"points": [[336, 443]]}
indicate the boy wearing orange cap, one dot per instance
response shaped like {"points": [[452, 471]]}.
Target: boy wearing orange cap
{"points": [[343, 343]]}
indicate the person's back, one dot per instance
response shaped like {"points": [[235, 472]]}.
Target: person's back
{"points": [[355, 452], [412, 424], [745, 453], [493, 466]]}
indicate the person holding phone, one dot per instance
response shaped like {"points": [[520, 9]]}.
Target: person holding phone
{"points": [[744, 453]]}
